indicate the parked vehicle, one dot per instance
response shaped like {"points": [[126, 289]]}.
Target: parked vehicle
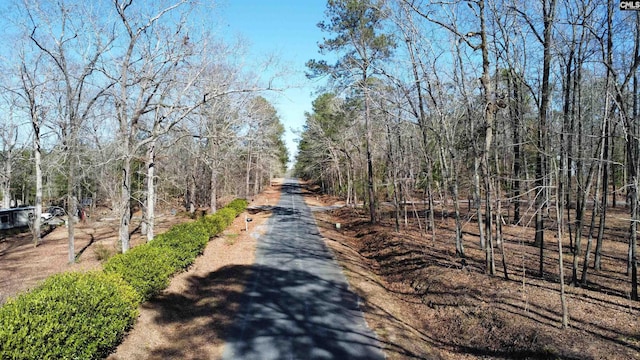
{"points": [[16, 217], [55, 211]]}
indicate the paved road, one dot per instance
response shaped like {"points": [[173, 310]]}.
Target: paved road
{"points": [[297, 304]]}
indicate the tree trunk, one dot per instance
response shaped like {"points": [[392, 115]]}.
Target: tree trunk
{"points": [[612, 168], [214, 191], [192, 190], [499, 236], [563, 298], [633, 162], [594, 215], [336, 161], [500, 240], [248, 171], [456, 208], [425, 142], [516, 114], [350, 177], [37, 154], [29, 89], [367, 120], [602, 183], [151, 190], [256, 175], [609, 77], [633, 240], [584, 190], [72, 206], [545, 94], [394, 177], [489, 252], [125, 207], [431, 216], [489, 118], [6, 180], [597, 261], [566, 139], [478, 202]]}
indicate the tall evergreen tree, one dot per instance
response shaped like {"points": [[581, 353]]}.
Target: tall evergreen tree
{"points": [[360, 43]]}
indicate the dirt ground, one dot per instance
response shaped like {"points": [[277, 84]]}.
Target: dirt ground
{"points": [[178, 323], [425, 303], [190, 319], [23, 266], [422, 301]]}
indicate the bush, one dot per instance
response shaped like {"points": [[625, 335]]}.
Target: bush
{"points": [[70, 316], [186, 241], [222, 218], [146, 268], [227, 215], [214, 224], [85, 315], [238, 205]]}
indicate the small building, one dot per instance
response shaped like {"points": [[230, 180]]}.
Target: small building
{"points": [[16, 217]]}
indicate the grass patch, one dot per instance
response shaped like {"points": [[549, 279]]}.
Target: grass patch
{"points": [[103, 252], [230, 238]]}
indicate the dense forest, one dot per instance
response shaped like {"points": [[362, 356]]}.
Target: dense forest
{"points": [[527, 111], [130, 106]]}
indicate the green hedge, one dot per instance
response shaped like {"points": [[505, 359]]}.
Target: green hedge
{"points": [[70, 316], [148, 267], [84, 316], [145, 267], [239, 205], [222, 218], [185, 241], [227, 215], [213, 224]]}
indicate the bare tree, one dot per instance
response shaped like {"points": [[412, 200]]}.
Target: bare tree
{"points": [[261, 133], [545, 38], [141, 87], [560, 217], [69, 37], [486, 129], [9, 138], [30, 88]]}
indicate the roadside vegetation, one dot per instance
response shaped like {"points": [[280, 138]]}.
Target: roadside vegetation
{"points": [[79, 315], [130, 106], [487, 153]]}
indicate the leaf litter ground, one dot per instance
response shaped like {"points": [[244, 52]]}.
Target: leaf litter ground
{"points": [[426, 303], [422, 301]]}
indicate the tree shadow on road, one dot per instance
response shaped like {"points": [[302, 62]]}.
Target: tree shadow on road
{"points": [[201, 314], [213, 309]]}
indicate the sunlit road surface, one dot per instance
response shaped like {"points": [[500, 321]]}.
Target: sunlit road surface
{"points": [[297, 304]]}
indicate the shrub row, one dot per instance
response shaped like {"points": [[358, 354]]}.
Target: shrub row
{"points": [[148, 267], [69, 316], [239, 205], [85, 315]]}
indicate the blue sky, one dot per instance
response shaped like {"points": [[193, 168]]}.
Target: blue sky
{"points": [[288, 29]]}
